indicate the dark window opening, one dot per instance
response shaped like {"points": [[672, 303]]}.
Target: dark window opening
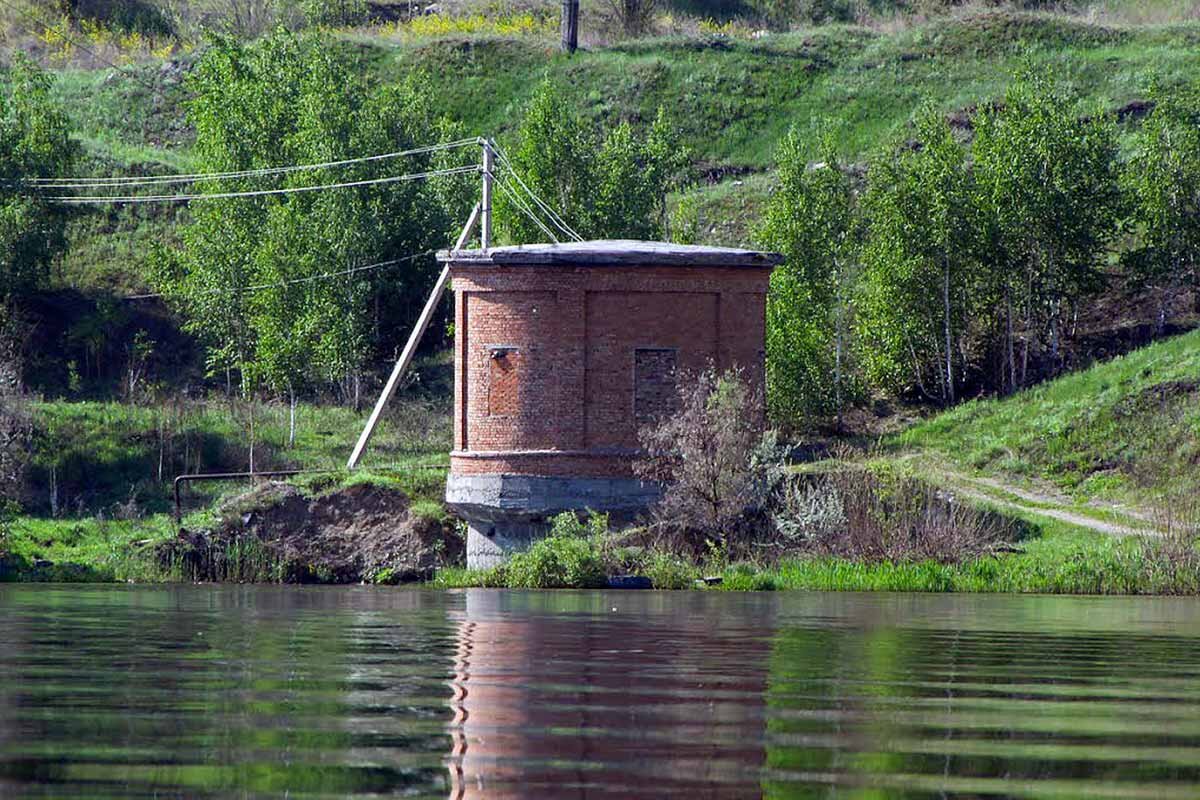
{"points": [[654, 391]]}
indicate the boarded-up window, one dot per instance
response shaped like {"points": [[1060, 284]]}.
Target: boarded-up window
{"points": [[504, 380], [654, 394]]}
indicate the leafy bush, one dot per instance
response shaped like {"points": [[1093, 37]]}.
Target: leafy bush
{"points": [[669, 571], [8, 510], [566, 559], [16, 437]]}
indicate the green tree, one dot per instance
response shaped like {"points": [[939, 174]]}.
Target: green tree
{"points": [[812, 218], [34, 143], [1049, 181], [315, 316], [1163, 180], [332, 13], [605, 187], [920, 287]]}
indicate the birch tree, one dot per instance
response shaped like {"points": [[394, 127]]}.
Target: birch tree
{"points": [[34, 143], [610, 185], [312, 316], [920, 287], [1049, 177], [1163, 179], [813, 220]]}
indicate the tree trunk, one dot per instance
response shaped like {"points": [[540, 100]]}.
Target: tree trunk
{"points": [[947, 326], [839, 325], [162, 422], [1010, 352], [291, 418], [1055, 312], [570, 25], [1024, 359], [251, 401]]}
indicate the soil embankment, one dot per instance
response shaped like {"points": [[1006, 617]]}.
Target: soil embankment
{"points": [[275, 533]]}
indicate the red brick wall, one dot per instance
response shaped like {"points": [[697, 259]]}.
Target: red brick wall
{"points": [[546, 356]]}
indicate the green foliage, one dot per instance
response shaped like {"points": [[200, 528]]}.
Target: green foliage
{"points": [[1048, 178], [669, 571], [97, 456], [566, 559], [326, 13], [812, 218], [34, 143], [923, 283], [605, 187], [1163, 180], [284, 100]]}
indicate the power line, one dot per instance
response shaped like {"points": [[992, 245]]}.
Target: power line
{"points": [[82, 47], [75, 200], [550, 212], [155, 180], [554, 217], [290, 282], [524, 207]]}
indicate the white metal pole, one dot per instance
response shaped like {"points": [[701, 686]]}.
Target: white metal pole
{"points": [[485, 222], [410, 349]]}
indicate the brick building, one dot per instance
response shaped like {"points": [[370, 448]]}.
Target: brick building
{"points": [[563, 351]]}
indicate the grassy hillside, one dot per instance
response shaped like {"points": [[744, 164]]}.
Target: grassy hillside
{"points": [[731, 96], [1127, 429]]}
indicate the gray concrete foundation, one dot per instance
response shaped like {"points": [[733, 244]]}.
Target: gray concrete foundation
{"points": [[505, 514]]}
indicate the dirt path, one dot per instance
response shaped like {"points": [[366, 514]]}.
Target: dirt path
{"points": [[1116, 521]]}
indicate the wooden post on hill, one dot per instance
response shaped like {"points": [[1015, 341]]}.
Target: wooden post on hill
{"points": [[570, 25]]}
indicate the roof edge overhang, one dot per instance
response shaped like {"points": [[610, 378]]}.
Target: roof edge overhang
{"points": [[612, 253]]}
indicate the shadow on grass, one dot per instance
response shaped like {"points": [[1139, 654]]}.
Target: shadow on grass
{"points": [[19, 569]]}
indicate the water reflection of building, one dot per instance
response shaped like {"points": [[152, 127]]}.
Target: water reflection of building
{"points": [[630, 704]]}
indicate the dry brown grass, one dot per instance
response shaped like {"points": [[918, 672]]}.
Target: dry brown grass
{"points": [[863, 515]]}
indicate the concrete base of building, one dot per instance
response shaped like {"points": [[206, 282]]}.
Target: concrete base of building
{"points": [[505, 514]]}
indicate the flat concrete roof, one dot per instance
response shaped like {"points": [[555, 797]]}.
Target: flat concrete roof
{"points": [[613, 252]]}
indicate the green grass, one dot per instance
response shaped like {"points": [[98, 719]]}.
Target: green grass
{"points": [[1060, 559], [87, 550], [1063, 560], [97, 456], [732, 99], [1125, 429], [101, 549]]}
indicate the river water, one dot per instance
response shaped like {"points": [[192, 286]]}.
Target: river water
{"points": [[235, 691]]}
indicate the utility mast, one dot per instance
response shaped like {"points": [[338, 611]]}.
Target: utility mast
{"points": [[570, 25]]}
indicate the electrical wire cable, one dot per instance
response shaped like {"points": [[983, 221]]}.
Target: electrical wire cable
{"points": [[524, 207], [555, 218], [78, 200], [195, 177], [291, 281]]}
